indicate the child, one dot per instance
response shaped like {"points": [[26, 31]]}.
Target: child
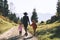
{"points": [[20, 28], [34, 26]]}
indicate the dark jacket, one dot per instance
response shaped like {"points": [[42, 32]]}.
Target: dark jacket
{"points": [[25, 19]]}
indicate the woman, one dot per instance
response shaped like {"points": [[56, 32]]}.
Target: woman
{"points": [[25, 22]]}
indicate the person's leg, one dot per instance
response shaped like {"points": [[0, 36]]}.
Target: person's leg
{"points": [[34, 31], [19, 33], [26, 30]]}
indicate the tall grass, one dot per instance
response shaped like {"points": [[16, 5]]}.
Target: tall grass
{"points": [[46, 31], [5, 25]]}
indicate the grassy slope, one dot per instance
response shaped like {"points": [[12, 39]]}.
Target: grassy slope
{"points": [[4, 24], [45, 32]]}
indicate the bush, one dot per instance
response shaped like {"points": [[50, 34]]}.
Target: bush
{"points": [[42, 22], [54, 18], [48, 21]]}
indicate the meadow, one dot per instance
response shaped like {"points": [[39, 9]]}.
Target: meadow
{"points": [[47, 31], [43, 32], [5, 24]]}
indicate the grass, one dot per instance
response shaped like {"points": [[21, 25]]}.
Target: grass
{"points": [[47, 31], [5, 25]]}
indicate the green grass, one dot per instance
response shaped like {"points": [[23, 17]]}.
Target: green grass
{"points": [[5, 25], [47, 31]]}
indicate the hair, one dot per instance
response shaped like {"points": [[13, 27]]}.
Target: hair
{"points": [[20, 23], [33, 20]]}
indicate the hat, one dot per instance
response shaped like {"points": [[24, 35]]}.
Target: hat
{"points": [[25, 13]]}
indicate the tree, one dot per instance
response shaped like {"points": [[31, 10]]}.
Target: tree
{"points": [[15, 19], [54, 18], [34, 16], [12, 16], [42, 22], [58, 9], [5, 7], [48, 21], [1, 5]]}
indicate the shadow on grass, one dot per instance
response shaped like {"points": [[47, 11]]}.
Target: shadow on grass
{"points": [[56, 33], [42, 32]]}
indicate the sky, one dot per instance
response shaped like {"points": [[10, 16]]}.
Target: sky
{"points": [[43, 7]]}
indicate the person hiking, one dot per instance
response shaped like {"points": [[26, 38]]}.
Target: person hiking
{"points": [[25, 22], [20, 28], [34, 26]]}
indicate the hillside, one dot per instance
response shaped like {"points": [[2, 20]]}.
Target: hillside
{"points": [[47, 31], [5, 24]]}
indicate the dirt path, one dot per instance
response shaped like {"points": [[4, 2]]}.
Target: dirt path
{"points": [[13, 34]]}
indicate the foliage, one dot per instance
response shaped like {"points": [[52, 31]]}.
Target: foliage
{"points": [[34, 16], [42, 22], [5, 25], [4, 10], [47, 32], [16, 20], [13, 17], [1, 5], [54, 18], [58, 9], [48, 21], [56, 32], [0, 13]]}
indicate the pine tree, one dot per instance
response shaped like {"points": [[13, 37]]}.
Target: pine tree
{"points": [[5, 8], [34, 16], [58, 8], [1, 5]]}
